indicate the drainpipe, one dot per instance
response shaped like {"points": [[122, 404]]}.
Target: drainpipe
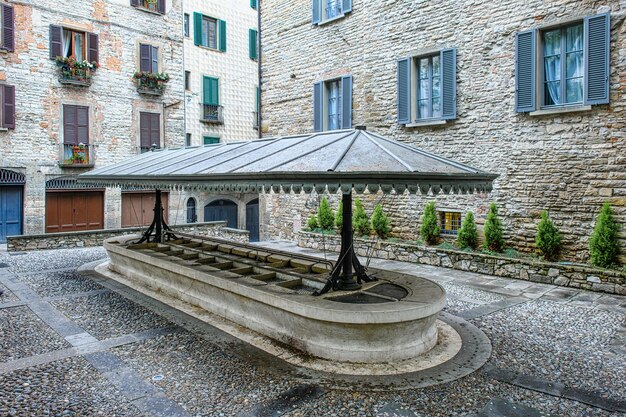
{"points": [[259, 117]]}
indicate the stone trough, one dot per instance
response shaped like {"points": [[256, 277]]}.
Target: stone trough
{"points": [[392, 319]]}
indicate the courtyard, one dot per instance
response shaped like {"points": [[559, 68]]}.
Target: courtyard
{"points": [[76, 344]]}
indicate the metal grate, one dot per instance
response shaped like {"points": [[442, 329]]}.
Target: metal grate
{"points": [[450, 222], [67, 183], [11, 177]]}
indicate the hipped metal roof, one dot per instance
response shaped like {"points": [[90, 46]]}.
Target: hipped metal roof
{"points": [[343, 159]]}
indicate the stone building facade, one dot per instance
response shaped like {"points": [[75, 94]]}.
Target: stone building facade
{"points": [[567, 159]]}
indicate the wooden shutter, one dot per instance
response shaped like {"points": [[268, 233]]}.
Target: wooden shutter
{"points": [[56, 41], [69, 125], [318, 107], [346, 6], [8, 27], [154, 66], [144, 130], [252, 42], [155, 129], [145, 58], [8, 106], [161, 6], [222, 35], [197, 29], [597, 48], [82, 124], [404, 90], [317, 11], [346, 102], [135, 2], [448, 83], [525, 68], [92, 47]]}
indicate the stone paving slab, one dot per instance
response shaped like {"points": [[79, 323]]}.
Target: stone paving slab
{"points": [[499, 407]]}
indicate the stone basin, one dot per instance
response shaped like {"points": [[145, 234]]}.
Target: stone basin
{"points": [[392, 319]]}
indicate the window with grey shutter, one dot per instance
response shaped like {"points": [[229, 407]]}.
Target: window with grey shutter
{"points": [[404, 90], [56, 41], [7, 111], [148, 58], [92, 48], [317, 11], [346, 6], [155, 59], [8, 28], [448, 83], [318, 107], [75, 124], [597, 46], [525, 68], [346, 102], [149, 131]]}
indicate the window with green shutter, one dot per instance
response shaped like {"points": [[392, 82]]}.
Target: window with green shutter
{"points": [[253, 4], [252, 44], [209, 32], [211, 108], [211, 140]]}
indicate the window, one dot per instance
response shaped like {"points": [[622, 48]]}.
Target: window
{"points": [[324, 10], [186, 25], [450, 222], [209, 32], [563, 66], [211, 108], [253, 44], [7, 106], [149, 131], [210, 140], [75, 124], [157, 6], [191, 210], [7, 23], [332, 104], [188, 139], [253, 4], [433, 97], [148, 58], [67, 42], [187, 80]]}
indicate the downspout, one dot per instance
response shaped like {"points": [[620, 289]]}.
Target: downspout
{"points": [[259, 117]]}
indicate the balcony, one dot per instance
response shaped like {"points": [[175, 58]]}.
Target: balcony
{"points": [[212, 114], [77, 156], [151, 83], [73, 72]]}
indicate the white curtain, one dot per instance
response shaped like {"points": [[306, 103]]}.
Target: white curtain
{"points": [[67, 43], [552, 66], [78, 46], [333, 105]]}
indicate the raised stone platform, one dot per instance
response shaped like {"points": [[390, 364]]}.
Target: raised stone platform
{"points": [[391, 320]]}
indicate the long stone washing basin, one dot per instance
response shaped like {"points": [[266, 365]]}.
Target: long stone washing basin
{"points": [[392, 319]]}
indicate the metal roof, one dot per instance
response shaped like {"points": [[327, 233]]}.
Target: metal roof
{"points": [[343, 159]]}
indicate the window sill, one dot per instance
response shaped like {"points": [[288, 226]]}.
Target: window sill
{"points": [[427, 123], [208, 48], [4, 51], [143, 9], [557, 110], [4, 129], [327, 21]]}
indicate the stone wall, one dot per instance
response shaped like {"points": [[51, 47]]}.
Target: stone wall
{"points": [[575, 276], [96, 237], [567, 163]]}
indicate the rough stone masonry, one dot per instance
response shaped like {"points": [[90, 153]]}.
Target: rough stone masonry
{"points": [[566, 163]]}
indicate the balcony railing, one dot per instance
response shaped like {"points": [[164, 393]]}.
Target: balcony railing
{"points": [[144, 149], [148, 5], [77, 156], [75, 72], [151, 83], [212, 114], [255, 119]]}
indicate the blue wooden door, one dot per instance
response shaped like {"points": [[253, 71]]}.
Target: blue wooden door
{"points": [[221, 210], [252, 219], [10, 212]]}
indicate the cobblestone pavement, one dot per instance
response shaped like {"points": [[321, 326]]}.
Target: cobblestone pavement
{"points": [[74, 344]]}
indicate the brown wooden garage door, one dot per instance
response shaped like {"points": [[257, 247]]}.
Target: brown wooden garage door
{"points": [[68, 211], [138, 208]]}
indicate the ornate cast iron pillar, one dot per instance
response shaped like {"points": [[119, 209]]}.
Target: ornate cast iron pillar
{"points": [[159, 226]]}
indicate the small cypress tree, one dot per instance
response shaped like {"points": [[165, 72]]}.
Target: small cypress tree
{"points": [[468, 235], [548, 239], [380, 222], [312, 223], [339, 216], [603, 243], [494, 240], [430, 226], [325, 215], [360, 221]]}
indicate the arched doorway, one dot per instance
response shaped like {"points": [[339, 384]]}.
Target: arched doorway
{"points": [[221, 210], [252, 219], [191, 211], [11, 203]]}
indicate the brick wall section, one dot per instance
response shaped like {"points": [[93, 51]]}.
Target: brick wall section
{"points": [[33, 147], [567, 163], [96, 237], [594, 279]]}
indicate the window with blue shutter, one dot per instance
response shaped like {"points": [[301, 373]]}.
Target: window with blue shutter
{"points": [[448, 83], [404, 90], [324, 10], [346, 102], [332, 104], [571, 69], [318, 107]]}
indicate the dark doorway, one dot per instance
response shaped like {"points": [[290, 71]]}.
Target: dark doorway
{"points": [[221, 210], [191, 211], [10, 211], [252, 219]]}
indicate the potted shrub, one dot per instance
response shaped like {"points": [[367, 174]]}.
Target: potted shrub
{"points": [[76, 72], [151, 82]]}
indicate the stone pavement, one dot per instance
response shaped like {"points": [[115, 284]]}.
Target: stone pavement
{"points": [[74, 344]]}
